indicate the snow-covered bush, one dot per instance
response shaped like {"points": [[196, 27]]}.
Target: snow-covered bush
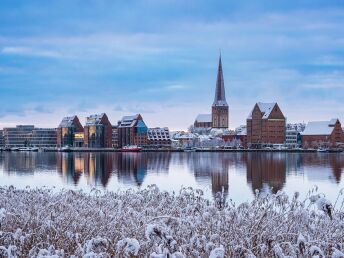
{"points": [[154, 223]]}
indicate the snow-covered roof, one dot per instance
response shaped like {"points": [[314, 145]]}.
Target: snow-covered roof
{"points": [[67, 121], [128, 121], [319, 127], [204, 118], [265, 108], [94, 119]]}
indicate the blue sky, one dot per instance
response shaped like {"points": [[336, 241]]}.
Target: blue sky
{"points": [[159, 58]]}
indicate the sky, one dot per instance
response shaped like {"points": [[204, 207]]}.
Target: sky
{"points": [[159, 58]]}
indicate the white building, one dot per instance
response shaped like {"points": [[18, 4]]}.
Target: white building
{"points": [[292, 134]]}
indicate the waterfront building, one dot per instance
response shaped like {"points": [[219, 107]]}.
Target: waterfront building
{"points": [[69, 132], [219, 111], [203, 121], [18, 136], [265, 125], [159, 137], [2, 144], [79, 139], [293, 135], [28, 135], [98, 131], [115, 136], [323, 134], [43, 137], [132, 130]]}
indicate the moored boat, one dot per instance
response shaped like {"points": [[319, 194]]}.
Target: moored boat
{"points": [[322, 150], [131, 148], [65, 149]]}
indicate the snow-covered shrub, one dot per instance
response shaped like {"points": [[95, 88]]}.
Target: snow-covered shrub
{"points": [[154, 223]]}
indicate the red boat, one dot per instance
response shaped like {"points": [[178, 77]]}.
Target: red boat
{"points": [[131, 148]]}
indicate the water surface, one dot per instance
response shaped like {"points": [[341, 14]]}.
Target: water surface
{"points": [[237, 174]]}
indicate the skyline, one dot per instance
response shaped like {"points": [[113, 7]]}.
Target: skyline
{"points": [[160, 59]]}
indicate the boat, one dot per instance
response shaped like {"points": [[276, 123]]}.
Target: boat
{"points": [[189, 149], [14, 149], [28, 149], [66, 149], [322, 150], [131, 148]]}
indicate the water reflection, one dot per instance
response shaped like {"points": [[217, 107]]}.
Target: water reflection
{"points": [[264, 171]]}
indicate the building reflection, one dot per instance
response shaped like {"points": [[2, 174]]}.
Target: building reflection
{"points": [[212, 169], [27, 163], [98, 168], [70, 167], [317, 161], [266, 171], [131, 168]]}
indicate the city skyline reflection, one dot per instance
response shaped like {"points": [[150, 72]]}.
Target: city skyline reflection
{"points": [[216, 171]]}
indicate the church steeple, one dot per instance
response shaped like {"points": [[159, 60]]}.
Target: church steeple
{"points": [[219, 110], [220, 95]]}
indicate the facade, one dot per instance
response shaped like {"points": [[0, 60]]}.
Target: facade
{"points": [[28, 135], [323, 134], [132, 130], [219, 111], [159, 137], [67, 130], [203, 121], [293, 135], [98, 132], [115, 136], [2, 144], [43, 137], [292, 138], [18, 136], [265, 125]]}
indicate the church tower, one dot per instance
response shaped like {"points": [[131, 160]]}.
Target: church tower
{"points": [[219, 111]]}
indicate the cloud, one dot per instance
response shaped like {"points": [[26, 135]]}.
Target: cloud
{"points": [[28, 51]]}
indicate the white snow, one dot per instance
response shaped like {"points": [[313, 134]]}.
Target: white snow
{"points": [[154, 223], [319, 127]]}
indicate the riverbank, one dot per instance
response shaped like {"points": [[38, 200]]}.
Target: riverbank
{"points": [[188, 150], [149, 222]]}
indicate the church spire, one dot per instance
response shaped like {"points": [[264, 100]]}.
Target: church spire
{"points": [[220, 96]]}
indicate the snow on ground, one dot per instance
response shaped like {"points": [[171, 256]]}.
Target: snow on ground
{"points": [[153, 223]]}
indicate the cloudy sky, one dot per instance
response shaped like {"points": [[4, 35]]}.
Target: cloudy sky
{"points": [[159, 58]]}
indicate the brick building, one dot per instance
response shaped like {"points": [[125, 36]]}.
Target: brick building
{"points": [[203, 121], [98, 132], [265, 125], [323, 134], [132, 130], [219, 110], [69, 131]]}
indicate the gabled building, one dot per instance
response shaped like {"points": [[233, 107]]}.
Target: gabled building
{"points": [[69, 132], [98, 131], [219, 110], [265, 125], [132, 130], [323, 134], [203, 121]]}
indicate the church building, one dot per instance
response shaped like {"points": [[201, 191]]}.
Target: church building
{"points": [[219, 110]]}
